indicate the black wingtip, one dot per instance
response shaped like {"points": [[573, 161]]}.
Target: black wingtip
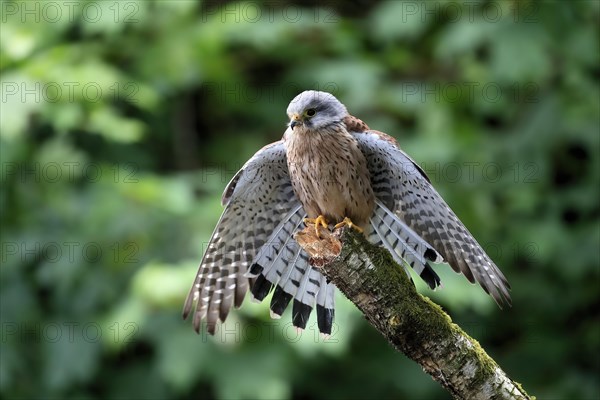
{"points": [[223, 313], [300, 314], [261, 288], [430, 277], [185, 313], [502, 298], [280, 300], [325, 319], [211, 328], [255, 269], [196, 322], [189, 302], [503, 302], [430, 254]]}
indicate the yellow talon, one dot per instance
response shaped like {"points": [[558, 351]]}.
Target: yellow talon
{"points": [[348, 222], [318, 222]]}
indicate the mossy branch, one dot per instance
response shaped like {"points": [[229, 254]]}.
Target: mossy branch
{"points": [[412, 323]]}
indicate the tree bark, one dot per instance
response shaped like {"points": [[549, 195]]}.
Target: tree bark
{"points": [[413, 324]]}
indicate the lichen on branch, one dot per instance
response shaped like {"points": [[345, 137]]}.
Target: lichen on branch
{"points": [[412, 323]]}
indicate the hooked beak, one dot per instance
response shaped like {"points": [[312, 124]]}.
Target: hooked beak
{"points": [[295, 121]]}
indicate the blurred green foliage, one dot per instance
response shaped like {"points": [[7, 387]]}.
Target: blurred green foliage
{"points": [[122, 121]]}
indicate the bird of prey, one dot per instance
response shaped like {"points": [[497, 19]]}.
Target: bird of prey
{"points": [[329, 169]]}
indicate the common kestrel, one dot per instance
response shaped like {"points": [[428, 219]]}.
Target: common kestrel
{"points": [[329, 168]]}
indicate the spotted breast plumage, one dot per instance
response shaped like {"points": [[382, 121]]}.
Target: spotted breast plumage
{"points": [[330, 169]]}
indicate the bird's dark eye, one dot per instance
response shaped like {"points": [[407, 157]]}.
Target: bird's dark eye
{"points": [[311, 112]]}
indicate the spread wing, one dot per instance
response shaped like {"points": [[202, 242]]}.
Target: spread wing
{"points": [[406, 190], [257, 199], [252, 246]]}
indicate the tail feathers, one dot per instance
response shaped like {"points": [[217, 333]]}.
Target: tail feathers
{"points": [[279, 302], [407, 248], [282, 264], [325, 306], [306, 295], [270, 254]]}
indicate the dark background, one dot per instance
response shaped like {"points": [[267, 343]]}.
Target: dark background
{"points": [[122, 121]]}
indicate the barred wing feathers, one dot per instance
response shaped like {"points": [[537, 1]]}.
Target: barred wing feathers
{"points": [[403, 187], [252, 248]]}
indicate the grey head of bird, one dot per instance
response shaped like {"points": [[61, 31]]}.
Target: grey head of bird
{"points": [[314, 110]]}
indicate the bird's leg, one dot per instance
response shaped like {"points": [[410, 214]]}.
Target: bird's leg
{"points": [[318, 222], [348, 222]]}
